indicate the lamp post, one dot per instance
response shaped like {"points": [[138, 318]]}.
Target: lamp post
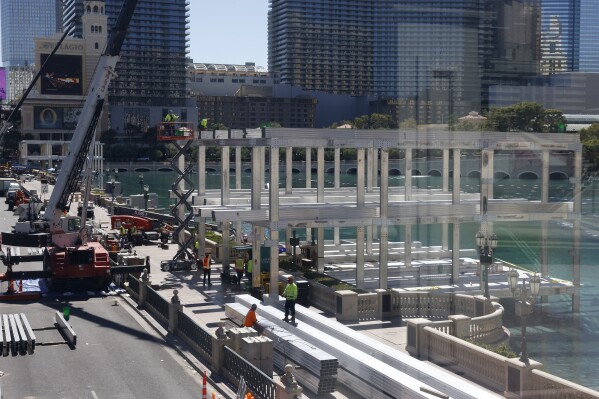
{"points": [[486, 246], [141, 182], [146, 195], [524, 304]]}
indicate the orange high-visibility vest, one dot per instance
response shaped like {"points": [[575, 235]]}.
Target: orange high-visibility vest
{"points": [[207, 263]]}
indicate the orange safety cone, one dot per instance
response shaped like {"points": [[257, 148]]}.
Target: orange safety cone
{"points": [[204, 383]]}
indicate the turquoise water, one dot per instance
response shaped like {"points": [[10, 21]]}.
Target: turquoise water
{"points": [[564, 342]]}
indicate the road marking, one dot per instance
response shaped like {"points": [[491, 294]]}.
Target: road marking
{"points": [[94, 395]]}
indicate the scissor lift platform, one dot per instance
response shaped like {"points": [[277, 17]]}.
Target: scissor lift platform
{"points": [[173, 131]]}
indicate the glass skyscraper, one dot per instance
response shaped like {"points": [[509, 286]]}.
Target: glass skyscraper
{"points": [[589, 36], [560, 24], [20, 22], [570, 39], [436, 58]]}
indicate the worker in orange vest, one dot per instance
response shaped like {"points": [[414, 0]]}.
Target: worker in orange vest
{"points": [[250, 317], [206, 268]]}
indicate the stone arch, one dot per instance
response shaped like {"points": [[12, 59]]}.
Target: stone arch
{"points": [[142, 170], [434, 172], [295, 171], [165, 170], [501, 175], [528, 176], [96, 9], [248, 170], [330, 171], [352, 171], [416, 172], [558, 176], [473, 173], [394, 172], [211, 170]]}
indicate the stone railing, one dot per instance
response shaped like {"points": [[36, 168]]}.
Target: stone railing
{"points": [[483, 318], [211, 345], [441, 344]]}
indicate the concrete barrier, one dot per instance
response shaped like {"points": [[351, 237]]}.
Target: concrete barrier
{"points": [[65, 328]]}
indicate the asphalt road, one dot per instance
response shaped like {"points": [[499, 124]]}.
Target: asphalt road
{"points": [[118, 355]]}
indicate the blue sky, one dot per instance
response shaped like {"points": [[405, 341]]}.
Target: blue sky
{"points": [[228, 32]]}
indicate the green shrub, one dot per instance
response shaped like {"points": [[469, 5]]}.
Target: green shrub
{"points": [[502, 349]]}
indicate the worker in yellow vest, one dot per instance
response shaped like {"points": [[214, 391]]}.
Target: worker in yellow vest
{"points": [[290, 295], [239, 269]]}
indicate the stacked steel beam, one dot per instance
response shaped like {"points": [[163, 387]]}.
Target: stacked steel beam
{"points": [[315, 370], [362, 371]]}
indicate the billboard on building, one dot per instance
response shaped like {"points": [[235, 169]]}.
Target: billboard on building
{"points": [[70, 116], [47, 117], [62, 75], [2, 85]]}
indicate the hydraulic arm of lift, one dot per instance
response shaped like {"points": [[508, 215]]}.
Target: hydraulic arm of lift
{"points": [[65, 230]]}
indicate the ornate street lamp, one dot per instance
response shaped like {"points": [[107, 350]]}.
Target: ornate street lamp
{"points": [[141, 182], [146, 195], [486, 246], [524, 304]]}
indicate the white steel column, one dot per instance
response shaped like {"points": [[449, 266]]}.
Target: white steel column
{"points": [[320, 200], [256, 192], [238, 170], [455, 253], [360, 257], [545, 159], [337, 167], [256, 188], [273, 211], [225, 256], [288, 248], [201, 170], [408, 174], [408, 245], [445, 170], [576, 231], [384, 206], [456, 176], [320, 249], [360, 194], [320, 176], [256, 264], [369, 169], [288, 170], [225, 192], [262, 166]]}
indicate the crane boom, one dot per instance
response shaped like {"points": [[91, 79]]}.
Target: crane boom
{"points": [[73, 163]]}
